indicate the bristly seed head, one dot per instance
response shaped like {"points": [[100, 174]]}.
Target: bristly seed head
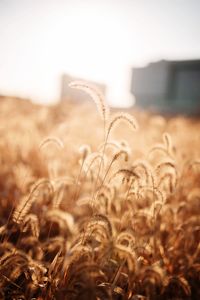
{"points": [[96, 96]]}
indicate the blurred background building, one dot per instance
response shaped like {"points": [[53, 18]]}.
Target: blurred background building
{"points": [[168, 86]]}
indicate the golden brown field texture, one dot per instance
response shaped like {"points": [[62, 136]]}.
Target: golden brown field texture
{"points": [[98, 204]]}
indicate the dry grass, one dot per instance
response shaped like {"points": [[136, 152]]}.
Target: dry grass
{"points": [[87, 212]]}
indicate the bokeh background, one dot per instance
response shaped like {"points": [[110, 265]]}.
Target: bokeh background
{"points": [[40, 40]]}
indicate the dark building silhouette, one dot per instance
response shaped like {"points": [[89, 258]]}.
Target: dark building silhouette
{"points": [[168, 86]]}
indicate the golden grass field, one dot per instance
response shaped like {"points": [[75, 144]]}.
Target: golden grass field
{"points": [[95, 206]]}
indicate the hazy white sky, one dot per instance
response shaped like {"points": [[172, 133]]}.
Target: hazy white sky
{"points": [[95, 39]]}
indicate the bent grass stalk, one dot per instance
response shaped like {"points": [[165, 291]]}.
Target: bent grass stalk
{"points": [[102, 107]]}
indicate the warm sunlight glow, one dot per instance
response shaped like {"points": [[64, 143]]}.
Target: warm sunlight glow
{"points": [[95, 40]]}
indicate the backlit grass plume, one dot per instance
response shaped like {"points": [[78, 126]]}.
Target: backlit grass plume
{"points": [[96, 96]]}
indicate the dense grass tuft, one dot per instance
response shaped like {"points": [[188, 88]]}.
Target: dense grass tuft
{"points": [[91, 210]]}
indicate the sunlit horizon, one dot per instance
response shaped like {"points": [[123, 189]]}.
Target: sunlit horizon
{"points": [[95, 40]]}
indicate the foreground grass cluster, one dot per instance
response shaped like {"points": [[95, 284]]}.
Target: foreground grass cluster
{"points": [[98, 205]]}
